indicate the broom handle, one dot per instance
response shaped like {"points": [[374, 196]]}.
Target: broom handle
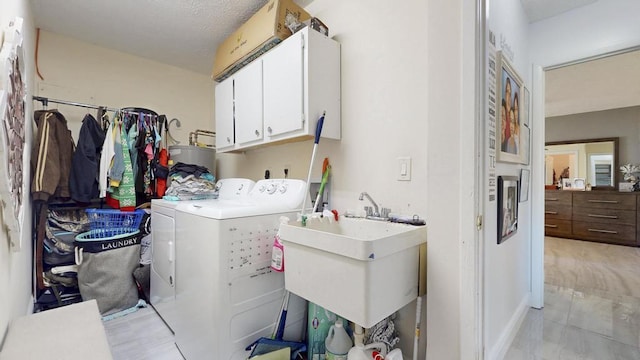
{"points": [[313, 158]]}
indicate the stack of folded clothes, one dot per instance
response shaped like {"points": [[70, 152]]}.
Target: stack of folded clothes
{"points": [[190, 182]]}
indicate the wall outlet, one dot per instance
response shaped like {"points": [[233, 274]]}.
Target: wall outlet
{"points": [[404, 168], [314, 188]]}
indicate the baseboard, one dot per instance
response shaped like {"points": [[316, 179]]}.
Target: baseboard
{"points": [[499, 350], [30, 305]]}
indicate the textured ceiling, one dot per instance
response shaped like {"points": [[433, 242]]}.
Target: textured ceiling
{"points": [[184, 33], [602, 84]]}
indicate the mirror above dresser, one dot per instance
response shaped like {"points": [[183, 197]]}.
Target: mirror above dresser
{"points": [[594, 160]]}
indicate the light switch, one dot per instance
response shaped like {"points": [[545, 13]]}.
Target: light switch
{"points": [[404, 168]]}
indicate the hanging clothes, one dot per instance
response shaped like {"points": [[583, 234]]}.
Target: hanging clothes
{"points": [[83, 181], [106, 159], [161, 166], [125, 191], [132, 135], [149, 150], [145, 146], [51, 157], [116, 172]]}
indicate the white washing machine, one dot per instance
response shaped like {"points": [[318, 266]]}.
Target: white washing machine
{"points": [[227, 296], [163, 235]]}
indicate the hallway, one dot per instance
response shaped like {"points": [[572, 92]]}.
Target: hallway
{"points": [[591, 306]]}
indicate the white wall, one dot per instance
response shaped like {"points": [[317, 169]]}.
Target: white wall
{"points": [[77, 71], [398, 101], [15, 267], [507, 275]]}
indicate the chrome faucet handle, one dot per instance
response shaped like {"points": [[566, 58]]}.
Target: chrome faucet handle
{"points": [[384, 213], [368, 210], [364, 194]]}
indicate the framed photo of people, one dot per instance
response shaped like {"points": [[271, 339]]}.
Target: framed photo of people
{"points": [[507, 207], [509, 112]]}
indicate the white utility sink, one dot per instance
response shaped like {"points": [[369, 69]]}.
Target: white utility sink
{"points": [[363, 270]]}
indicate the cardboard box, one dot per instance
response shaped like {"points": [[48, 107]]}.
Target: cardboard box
{"points": [[261, 32]]}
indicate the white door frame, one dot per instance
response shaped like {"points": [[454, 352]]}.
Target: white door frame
{"points": [[472, 254], [537, 188]]}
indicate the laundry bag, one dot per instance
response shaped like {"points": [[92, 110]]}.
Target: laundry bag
{"points": [[106, 258]]}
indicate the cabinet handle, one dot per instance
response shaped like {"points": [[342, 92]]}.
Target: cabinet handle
{"points": [[602, 231], [269, 130], [551, 212], [257, 133], [604, 201], [552, 199], [228, 139], [602, 216], [550, 226]]}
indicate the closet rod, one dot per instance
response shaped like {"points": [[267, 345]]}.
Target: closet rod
{"points": [[45, 102]]}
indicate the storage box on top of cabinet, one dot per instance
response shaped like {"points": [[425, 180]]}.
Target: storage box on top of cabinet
{"points": [[257, 35], [280, 96]]}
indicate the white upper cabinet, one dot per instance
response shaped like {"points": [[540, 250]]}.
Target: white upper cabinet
{"points": [[248, 104], [284, 88], [280, 96], [225, 137]]}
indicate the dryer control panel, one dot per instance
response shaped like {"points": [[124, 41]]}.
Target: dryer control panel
{"points": [[233, 188], [283, 191]]}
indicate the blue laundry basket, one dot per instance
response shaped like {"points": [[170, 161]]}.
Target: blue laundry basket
{"points": [[107, 223]]}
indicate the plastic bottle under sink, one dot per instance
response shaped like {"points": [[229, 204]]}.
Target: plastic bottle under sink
{"points": [[366, 352], [338, 342]]}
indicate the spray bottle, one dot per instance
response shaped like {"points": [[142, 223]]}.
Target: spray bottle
{"points": [[277, 252]]}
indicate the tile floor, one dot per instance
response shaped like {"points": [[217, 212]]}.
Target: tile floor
{"points": [[592, 311], [141, 336], [591, 306]]}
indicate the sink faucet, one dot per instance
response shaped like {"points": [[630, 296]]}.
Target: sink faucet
{"points": [[376, 212]]}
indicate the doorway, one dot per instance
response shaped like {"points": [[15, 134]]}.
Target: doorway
{"points": [[579, 109]]}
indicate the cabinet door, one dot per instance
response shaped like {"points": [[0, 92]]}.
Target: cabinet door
{"points": [[248, 101], [224, 115], [283, 69]]}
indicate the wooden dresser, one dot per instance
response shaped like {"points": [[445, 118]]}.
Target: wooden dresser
{"points": [[557, 213], [603, 216]]}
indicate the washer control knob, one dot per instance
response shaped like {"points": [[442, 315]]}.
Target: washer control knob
{"points": [[283, 188], [218, 185], [262, 188], [271, 188]]}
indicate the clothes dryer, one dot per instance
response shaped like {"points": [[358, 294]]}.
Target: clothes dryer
{"points": [[163, 242], [227, 295]]}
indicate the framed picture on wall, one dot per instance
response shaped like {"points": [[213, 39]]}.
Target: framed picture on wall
{"points": [[509, 112], [507, 207]]}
